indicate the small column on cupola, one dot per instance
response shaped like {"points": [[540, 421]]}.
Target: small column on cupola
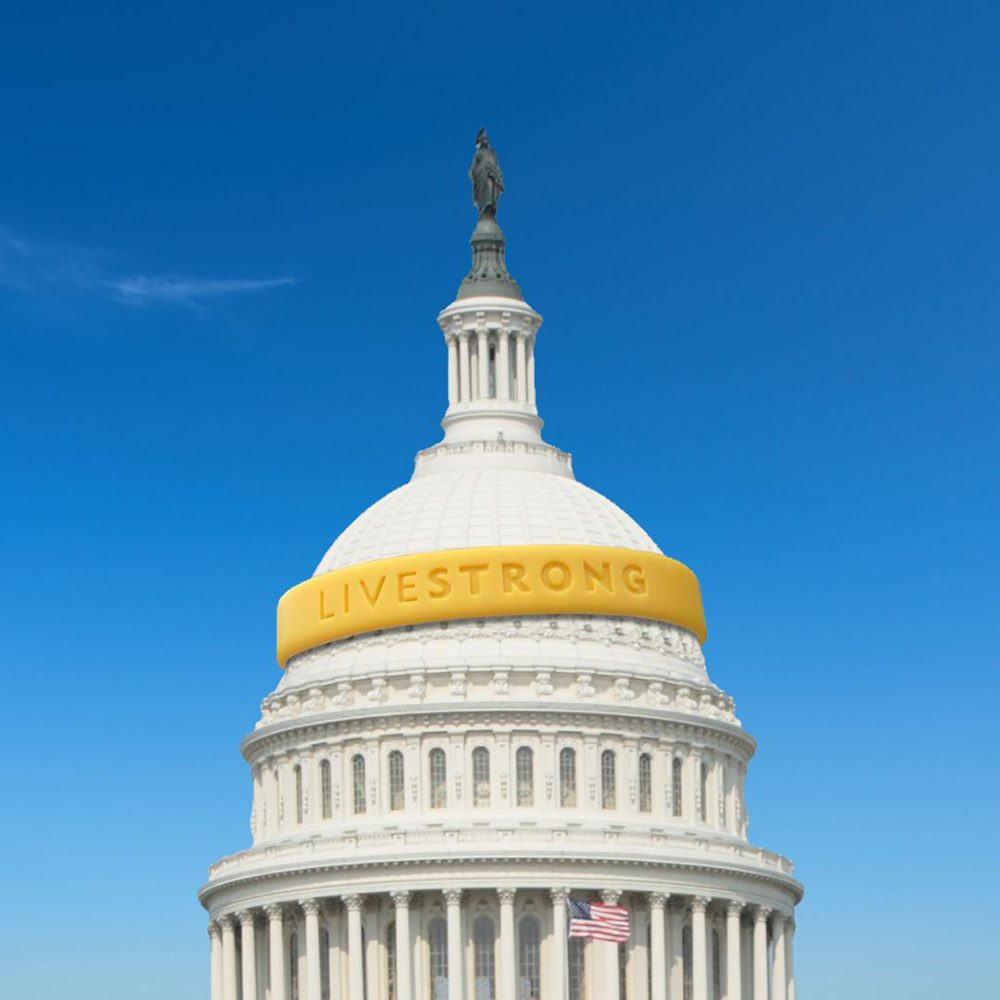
{"points": [[490, 330]]}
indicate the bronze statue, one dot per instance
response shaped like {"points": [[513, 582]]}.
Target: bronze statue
{"points": [[487, 180]]}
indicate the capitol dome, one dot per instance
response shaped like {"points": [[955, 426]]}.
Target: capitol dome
{"points": [[494, 766], [470, 507]]}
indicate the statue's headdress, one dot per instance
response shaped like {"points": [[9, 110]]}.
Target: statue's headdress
{"points": [[482, 138]]}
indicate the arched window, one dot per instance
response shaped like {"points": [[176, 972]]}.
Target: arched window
{"points": [[358, 775], [567, 777], [529, 960], [390, 961], [293, 967], [645, 783], [326, 788], [524, 763], [324, 964], [703, 808], [608, 781], [397, 785], [687, 957], [437, 938], [439, 778], [716, 965], [577, 970], [623, 970], [298, 793], [484, 959], [480, 777], [677, 782]]}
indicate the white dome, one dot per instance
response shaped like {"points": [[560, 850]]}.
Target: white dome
{"points": [[471, 507]]}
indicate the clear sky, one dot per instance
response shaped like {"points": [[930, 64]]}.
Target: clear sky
{"points": [[766, 241]]}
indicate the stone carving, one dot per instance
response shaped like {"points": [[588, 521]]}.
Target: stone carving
{"points": [[344, 695], [622, 691], [501, 683], [379, 691], [459, 683], [584, 688], [543, 682], [418, 687]]}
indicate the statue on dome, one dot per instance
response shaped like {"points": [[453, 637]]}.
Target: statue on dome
{"points": [[486, 177]]}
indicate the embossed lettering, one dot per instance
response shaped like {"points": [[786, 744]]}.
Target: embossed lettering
{"points": [[323, 613], [556, 576], [372, 598], [473, 573], [512, 575], [592, 577], [406, 586], [634, 579], [439, 577]]}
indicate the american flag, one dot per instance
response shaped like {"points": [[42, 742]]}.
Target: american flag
{"points": [[597, 921]]}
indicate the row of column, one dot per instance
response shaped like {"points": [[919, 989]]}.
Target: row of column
{"points": [[472, 376], [772, 977]]}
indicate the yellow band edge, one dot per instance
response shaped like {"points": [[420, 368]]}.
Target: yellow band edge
{"points": [[487, 582]]}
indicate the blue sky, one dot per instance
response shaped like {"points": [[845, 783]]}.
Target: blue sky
{"points": [[766, 241]]}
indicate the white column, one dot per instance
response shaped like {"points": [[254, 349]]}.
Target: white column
{"points": [[313, 958], [215, 937], [248, 944], [522, 370], [456, 969], [355, 953], [760, 953], [560, 938], [790, 970], [508, 947], [464, 393], [699, 948], [608, 950], [276, 949], [404, 978], [676, 932], [373, 946], [531, 371], [734, 974], [452, 371], [503, 365], [658, 945], [484, 364], [229, 971], [779, 977]]}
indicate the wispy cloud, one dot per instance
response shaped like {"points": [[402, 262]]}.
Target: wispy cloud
{"points": [[188, 290], [34, 268]]}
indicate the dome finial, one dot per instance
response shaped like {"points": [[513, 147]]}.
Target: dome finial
{"points": [[489, 274]]}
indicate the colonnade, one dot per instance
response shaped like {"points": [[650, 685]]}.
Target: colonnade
{"points": [[491, 364], [367, 947]]}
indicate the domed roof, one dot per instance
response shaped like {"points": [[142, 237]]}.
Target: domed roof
{"points": [[469, 507]]}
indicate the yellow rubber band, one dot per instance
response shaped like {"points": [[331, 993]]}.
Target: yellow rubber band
{"points": [[488, 582]]}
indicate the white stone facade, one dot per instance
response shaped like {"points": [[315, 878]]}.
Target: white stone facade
{"points": [[426, 797]]}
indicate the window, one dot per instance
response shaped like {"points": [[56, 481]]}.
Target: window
{"points": [[324, 964], [298, 793], [703, 805], [484, 959], [529, 960], [687, 957], [577, 970], [645, 783], [437, 936], [677, 779], [439, 778], [397, 786], [623, 970], [567, 777], [480, 777], [716, 965], [293, 967], [493, 371], [524, 764], [326, 788], [358, 774], [390, 961], [608, 779]]}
